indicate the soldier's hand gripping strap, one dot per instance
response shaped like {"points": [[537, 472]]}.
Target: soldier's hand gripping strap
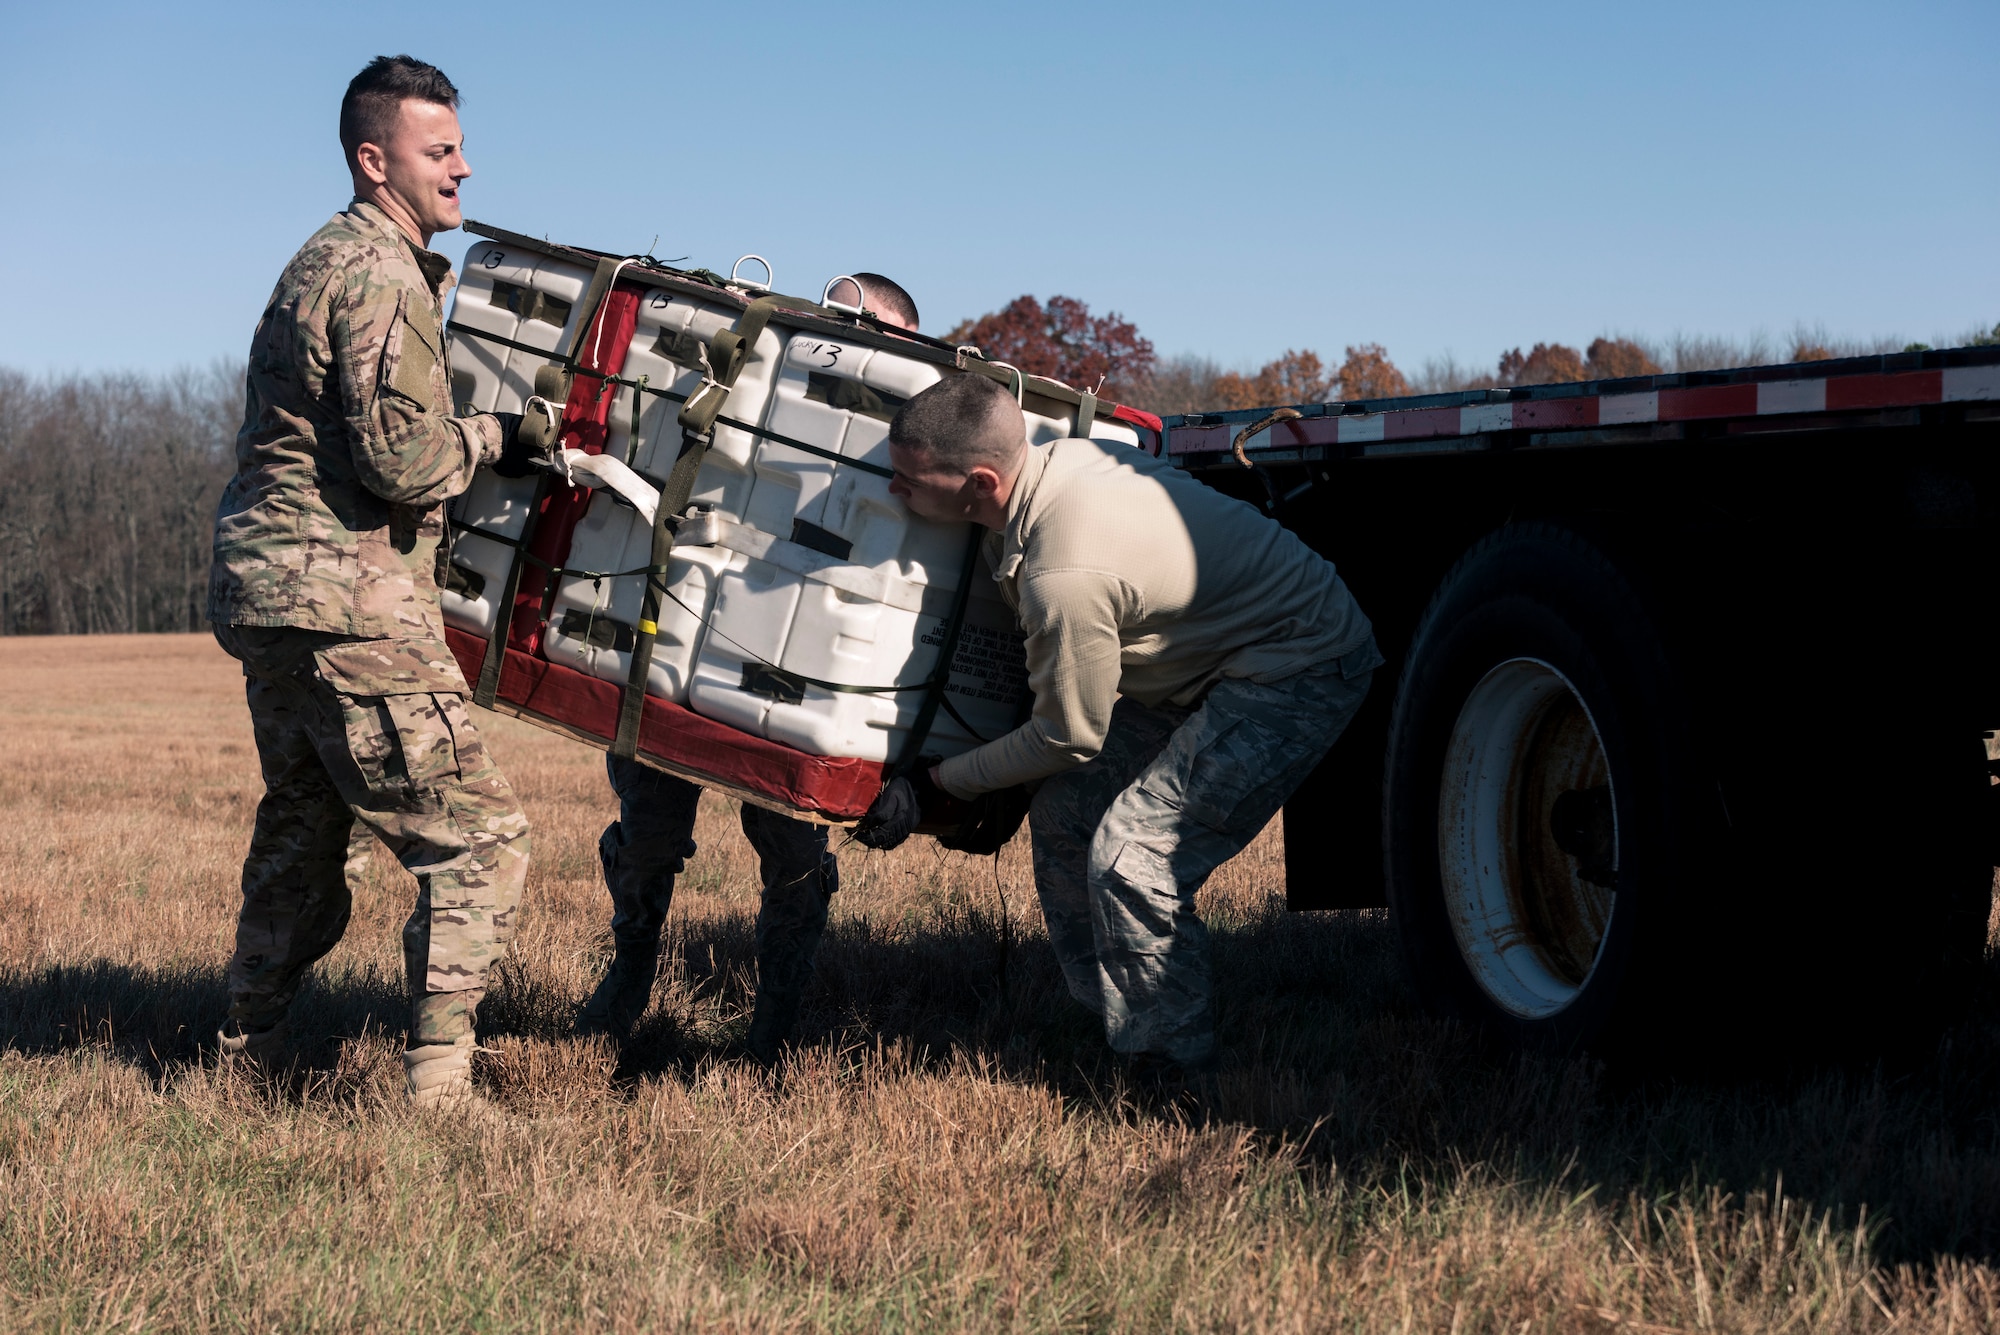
{"points": [[552, 387], [907, 803], [991, 822], [534, 443]]}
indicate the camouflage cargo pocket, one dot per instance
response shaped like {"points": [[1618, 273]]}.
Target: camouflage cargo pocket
{"points": [[1232, 774], [413, 666], [402, 744], [374, 746], [395, 698], [423, 734]]}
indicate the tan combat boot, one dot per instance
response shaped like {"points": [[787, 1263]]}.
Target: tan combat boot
{"points": [[254, 1052], [439, 1076]]}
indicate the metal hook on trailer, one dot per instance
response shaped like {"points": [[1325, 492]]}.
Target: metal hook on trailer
{"points": [[1236, 447], [1261, 424]]}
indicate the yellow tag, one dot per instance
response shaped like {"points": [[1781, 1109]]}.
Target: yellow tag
{"points": [[649, 628]]}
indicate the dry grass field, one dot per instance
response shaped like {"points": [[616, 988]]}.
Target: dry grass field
{"points": [[947, 1149]]}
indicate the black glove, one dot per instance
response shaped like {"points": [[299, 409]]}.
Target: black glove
{"points": [[522, 451], [905, 803], [991, 823]]}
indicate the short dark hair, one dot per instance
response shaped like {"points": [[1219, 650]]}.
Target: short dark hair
{"points": [[883, 294], [961, 421], [376, 95]]}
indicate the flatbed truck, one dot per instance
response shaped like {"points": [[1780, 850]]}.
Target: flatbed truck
{"points": [[1686, 732]]}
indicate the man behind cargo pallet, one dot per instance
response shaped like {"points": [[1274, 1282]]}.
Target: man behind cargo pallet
{"points": [[324, 584], [1191, 662], [650, 842]]}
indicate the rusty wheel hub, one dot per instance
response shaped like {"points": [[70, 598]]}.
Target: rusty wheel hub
{"points": [[1528, 838]]}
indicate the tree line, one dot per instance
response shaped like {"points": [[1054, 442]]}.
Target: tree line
{"points": [[109, 498], [111, 480], [1063, 340]]}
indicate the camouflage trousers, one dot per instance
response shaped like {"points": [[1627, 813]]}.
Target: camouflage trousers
{"points": [[649, 845], [343, 746], [1122, 844]]}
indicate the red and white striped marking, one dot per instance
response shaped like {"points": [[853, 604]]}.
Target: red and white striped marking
{"points": [[1846, 393]]}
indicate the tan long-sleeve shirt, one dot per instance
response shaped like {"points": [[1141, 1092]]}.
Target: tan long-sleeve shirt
{"points": [[1132, 578]]}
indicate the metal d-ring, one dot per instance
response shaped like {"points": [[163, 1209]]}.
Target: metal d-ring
{"points": [[826, 296], [770, 274]]}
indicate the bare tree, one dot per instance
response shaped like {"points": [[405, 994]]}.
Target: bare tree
{"points": [[110, 498]]}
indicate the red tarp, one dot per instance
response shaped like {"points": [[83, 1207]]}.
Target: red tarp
{"points": [[583, 428]]}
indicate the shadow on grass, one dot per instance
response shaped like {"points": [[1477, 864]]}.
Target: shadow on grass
{"points": [[157, 1018], [1322, 1045]]}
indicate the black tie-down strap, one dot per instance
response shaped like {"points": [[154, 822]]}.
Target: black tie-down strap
{"points": [[640, 388], [920, 731]]}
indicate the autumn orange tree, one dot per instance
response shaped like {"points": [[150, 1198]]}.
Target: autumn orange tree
{"points": [[1558, 363], [1063, 341], [1301, 377], [1296, 377], [1616, 358], [1369, 374]]}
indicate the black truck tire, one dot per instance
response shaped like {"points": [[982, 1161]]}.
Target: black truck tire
{"points": [[1541, 820]]}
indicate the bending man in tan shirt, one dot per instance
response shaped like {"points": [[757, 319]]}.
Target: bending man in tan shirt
{"points": [[1191, 662]]}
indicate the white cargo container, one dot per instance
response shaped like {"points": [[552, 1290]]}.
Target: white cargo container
{"points": [[794, 572]]}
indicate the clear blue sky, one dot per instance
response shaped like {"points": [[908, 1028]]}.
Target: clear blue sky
{"points": [[1235, 178]]}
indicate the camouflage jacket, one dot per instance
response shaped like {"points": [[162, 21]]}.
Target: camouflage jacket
{"points": [[349, 446]]}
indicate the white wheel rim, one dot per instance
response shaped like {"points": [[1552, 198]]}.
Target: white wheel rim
{"points": [[1528, 901]]}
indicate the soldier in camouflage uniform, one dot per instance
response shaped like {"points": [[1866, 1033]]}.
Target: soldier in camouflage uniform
{"points": [[1191, 662], [652, 839], [325, 586]]}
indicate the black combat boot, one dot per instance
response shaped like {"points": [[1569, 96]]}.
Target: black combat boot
{"points": [[770, 1025], [624, 994], [257, 1051], [789, 926]]}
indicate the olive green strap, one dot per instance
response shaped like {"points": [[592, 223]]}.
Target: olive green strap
{"points": [[638, 406], [488, 686], [673, 499], [726, 354], [1086, 412], [593, 302]]}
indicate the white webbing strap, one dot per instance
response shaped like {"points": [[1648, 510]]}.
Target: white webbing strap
{"points": [[705, 528]]}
